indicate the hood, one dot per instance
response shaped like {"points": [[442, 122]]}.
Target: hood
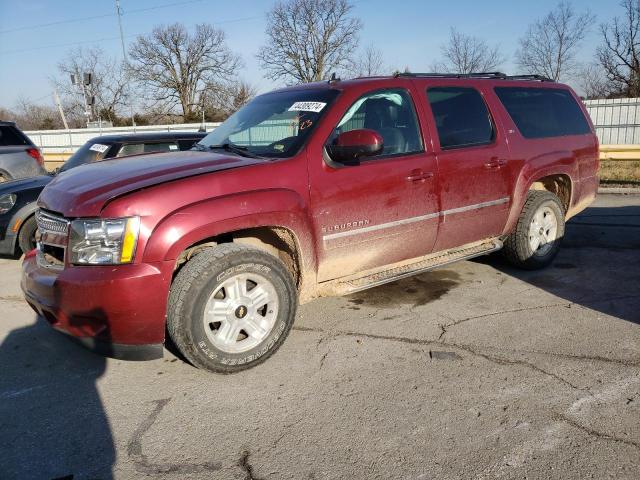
{"points": [[17, 186], [83, 191]]}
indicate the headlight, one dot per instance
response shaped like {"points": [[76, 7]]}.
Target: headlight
{"points": [[7, 202], [104, 241]]}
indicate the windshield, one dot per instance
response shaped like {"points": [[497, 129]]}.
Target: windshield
{"points": [[88, 153], [273, 125]]}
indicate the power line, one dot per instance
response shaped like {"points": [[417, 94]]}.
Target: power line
{"points": [[106, 39], [95, 17]]}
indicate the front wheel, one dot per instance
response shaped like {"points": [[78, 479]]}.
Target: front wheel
{"points": [[231, 307], [27, 235], [536, 239]]}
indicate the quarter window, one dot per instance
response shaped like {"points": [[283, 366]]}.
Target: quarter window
{"points": [[543, 112], [390, 113], [461, 116]]}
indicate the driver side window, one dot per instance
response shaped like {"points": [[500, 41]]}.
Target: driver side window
{"points": [[390, 113]]}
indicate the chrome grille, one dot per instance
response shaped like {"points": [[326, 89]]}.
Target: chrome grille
{"points": [[48, 223]]}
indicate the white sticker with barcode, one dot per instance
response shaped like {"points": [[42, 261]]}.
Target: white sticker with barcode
{"points": [[307, 107], [98, 147]]}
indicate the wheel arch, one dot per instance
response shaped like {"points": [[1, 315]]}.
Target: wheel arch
{"points": [[558, 178]]}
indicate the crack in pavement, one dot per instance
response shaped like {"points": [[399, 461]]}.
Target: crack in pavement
{"points": [[581, 304], [467, 348], [12, 299], [463, 346], [594, 433], [142, 463], [244, 464]]}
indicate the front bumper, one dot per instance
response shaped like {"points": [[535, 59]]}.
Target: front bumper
{"points": [[117, 311]]}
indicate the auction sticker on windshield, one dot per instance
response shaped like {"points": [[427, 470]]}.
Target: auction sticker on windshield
{"points": [[98, 147], [307, 106]]}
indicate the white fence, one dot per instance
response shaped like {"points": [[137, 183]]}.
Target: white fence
{"points": [[68, 141], [617, 121]]}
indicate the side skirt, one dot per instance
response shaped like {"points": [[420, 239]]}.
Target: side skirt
{"points": [[390, 273]]}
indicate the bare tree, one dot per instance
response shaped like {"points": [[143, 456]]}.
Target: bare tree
{"points": [[370, 63], [308, 39], [109, 83], [32, 116], [549, 45], [594, 83], [221, 101], [174, 67], [619, 53], [467, 54]]}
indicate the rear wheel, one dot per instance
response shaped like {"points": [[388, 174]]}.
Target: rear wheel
{"points": [[231, 307], [536, 239], [27, 235]]}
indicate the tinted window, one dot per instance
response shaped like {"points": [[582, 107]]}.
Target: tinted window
{"points": [[461, 117], [187, 143], [543, 112], [137, 148], [390, 113], [11, 137]]}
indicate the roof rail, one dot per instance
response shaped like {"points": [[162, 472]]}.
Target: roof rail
{"points": [[489, 75], [453, 75], [539, 78]]}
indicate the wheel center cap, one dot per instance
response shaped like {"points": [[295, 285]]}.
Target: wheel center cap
{"points": [[241, 311], [541, 230]]}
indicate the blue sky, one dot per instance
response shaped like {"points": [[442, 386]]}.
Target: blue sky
{"points": [[408, 32]]}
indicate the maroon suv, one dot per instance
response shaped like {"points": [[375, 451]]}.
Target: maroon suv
{"points": [[320, 189]]}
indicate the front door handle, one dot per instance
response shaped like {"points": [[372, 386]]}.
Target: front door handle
{"points": [[419, 176]]}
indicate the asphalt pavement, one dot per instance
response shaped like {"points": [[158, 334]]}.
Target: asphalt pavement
{"points": [[476, 370]]}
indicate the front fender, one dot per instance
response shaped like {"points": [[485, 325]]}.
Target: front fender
{"points": [[194, 223], [556, 163]]}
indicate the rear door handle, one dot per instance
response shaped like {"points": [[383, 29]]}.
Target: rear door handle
{"points": [[419, 176], [495, 163]]}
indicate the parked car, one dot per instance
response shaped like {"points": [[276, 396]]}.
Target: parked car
{"points": [[320, 189], [18, 198], [19, 157]]}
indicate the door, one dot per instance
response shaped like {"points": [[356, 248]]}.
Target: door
{"points": [[384, 209], [473, 156]]}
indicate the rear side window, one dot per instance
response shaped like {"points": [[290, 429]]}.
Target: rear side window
{"points": [[11, 137], [543, 112], [138, 148], [461, 116]]}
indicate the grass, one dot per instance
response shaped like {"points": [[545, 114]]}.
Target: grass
{"points": [[620, 172]]}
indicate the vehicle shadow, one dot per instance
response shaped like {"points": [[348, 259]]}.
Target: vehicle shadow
{"points": [[52, 421], [598, 265]]}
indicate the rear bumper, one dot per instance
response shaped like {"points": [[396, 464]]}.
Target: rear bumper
{"points": [[118, 311], [586, 190]]}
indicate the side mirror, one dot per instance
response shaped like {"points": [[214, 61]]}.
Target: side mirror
{"points": [[350, 146]]}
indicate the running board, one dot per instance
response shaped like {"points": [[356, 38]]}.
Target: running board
{"points": [[358, 282]]}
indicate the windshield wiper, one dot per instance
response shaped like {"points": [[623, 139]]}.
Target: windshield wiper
{"points": [[237, 149]]}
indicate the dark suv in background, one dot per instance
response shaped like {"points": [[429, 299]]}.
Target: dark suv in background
{"points": [[18, 198], [19, 157]]}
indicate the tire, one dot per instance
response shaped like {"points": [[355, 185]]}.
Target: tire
{"points": [[211, 305], [536, 222], [27, 235]]}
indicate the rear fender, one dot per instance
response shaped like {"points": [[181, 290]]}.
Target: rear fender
{"points": [[556, 163]]}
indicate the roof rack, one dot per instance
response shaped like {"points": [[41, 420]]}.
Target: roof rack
{"points": [[488, 75]]}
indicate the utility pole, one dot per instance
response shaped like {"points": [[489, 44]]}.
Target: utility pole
{"points": [[124, 56], [56, 99]]}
